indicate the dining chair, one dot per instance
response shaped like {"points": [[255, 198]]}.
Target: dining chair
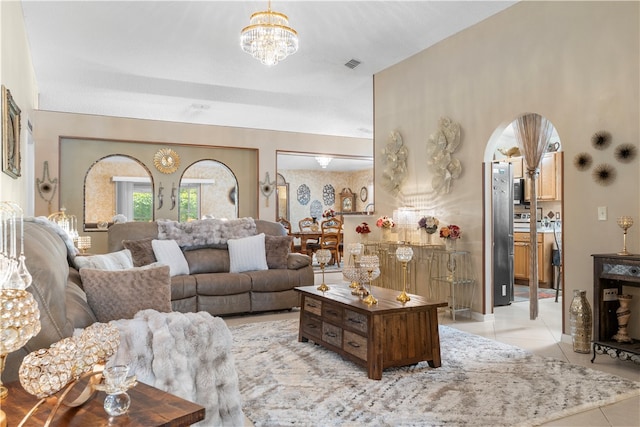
{"points": [[331, 238], [287, 226], [312, 244]]}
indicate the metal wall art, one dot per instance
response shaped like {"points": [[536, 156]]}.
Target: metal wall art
{"points": [[266, 187], [440, 148], [328, 195], [304, 194], [46, 186], [10, 135], [394, 160]]}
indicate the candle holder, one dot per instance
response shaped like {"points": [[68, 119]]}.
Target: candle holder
{"points": [[404, 255], [625, 222], [323, 256], [371, 264], [350, 270]]}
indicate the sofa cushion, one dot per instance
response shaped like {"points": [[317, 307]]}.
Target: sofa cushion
{"points": [[247, 254], [169, 253], [141, 251], [277, 250], [207, 260], [222, 283], [297, 261], [112, 261], [121, 294]]}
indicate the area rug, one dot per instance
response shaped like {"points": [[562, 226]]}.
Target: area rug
{"points": [[480, 383]]}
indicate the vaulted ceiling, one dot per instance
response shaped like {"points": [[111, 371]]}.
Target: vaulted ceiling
{"points": [[181, 60]]}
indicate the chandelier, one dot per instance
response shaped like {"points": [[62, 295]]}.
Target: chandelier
{"points": [[323, 161], [268, 37]]}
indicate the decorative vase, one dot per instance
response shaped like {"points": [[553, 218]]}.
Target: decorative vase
{"points": [[364, 238], [450, 244], [581, 320], [386, 234], [623, 313], [424, 236]]}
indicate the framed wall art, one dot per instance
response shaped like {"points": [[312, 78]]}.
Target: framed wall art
{"points": [[10, 135]]}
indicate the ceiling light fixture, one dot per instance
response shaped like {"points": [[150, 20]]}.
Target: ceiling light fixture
{"points": [[324, 161], [268, 37]]}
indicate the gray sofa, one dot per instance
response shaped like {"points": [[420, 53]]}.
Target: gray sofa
{"points": [[63, 303], [211, 287]]}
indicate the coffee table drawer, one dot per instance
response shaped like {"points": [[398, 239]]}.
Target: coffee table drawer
{"points": [[355, 321], [331, 334], [355, 344], [311, 326], [332, 312], [313, 305]]}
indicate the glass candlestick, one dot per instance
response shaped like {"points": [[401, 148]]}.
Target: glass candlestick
{"points": [[371, 264], [116, 385], [404, 255], [323, 256], [625, 222]]}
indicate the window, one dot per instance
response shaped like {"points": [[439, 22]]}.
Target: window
{"points": [[189, 202], [134, 198]]}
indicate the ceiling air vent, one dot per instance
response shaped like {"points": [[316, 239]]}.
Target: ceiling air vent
{"points": [[353, 63]]}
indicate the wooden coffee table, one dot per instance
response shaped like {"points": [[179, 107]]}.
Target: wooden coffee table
{"points": [[376, 336], [149, 407]]}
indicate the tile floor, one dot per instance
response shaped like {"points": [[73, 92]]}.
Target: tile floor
{"points": [[542, 336]]}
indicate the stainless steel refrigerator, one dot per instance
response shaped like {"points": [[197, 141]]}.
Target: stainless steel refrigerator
{"points": [[502, 233]]}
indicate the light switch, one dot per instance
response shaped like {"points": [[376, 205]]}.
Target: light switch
{"points": [[602, 213]]}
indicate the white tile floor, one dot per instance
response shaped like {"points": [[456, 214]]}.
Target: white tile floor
{"points": [[541, 336]]}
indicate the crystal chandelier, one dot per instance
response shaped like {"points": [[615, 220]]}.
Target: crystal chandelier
{"points": [[268, 37]]}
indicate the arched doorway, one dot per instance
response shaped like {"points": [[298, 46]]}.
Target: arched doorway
{"points": [[502, 157]]}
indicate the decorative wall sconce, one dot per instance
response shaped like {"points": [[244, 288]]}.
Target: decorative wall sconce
{"points": [[46, 186], [173, 196]]}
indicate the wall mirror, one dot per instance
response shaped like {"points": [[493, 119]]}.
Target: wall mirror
{"points": [[208, 189], [314, 182], [117, 185], [282, 197]]}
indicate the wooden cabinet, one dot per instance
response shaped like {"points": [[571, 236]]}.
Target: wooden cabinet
{"points": [[522, 256], [517, 165], [548, 184]]}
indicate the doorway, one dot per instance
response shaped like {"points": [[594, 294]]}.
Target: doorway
{"points": [[503, 148]]}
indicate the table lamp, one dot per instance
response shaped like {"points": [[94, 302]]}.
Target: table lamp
{"points": [[404, 255], [20, 314]]}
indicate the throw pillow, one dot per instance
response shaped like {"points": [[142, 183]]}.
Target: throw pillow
{"points": [[277, 249], [247, 254], [114, 295], [169, 253], [111, 261], [141, 251]]}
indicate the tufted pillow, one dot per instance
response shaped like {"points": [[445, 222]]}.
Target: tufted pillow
{"points": [[141, 251], [169, 253], [247, 254], [277, 249], [114, 295], [111, 261]]}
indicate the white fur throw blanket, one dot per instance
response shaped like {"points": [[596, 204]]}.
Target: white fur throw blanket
{"points": [[205, 232], [185, 354]]}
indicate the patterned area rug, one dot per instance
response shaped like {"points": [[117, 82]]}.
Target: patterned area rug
{"points": [[521, 293], [481, 382]]}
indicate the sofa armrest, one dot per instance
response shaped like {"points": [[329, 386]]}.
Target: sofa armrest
{"points": [[296, 261]]}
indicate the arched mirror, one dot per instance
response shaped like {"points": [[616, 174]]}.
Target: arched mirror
{"points": [[282, 197], [208, 189], [117, 185]]}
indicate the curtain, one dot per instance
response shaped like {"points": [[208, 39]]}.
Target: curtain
{"points": [[532, 132]]}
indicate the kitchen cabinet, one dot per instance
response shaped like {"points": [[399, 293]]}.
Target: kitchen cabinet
{"points": [[517, 166], [522, 256], [548, 183]]}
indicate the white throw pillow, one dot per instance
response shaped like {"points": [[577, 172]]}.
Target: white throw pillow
{"points": [[112, 261], [247, 254], [169, 253]]}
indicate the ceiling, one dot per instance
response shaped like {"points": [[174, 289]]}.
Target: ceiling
{"points": [[181, 61]]}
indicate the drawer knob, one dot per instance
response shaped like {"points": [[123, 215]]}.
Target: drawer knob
{"points": [[354, 344]]}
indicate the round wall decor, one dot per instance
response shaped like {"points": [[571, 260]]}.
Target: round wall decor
{"points": [[364, 194], [328, 195], [166, 160]]}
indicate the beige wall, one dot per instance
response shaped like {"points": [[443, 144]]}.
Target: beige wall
{"points": [[17, 75], [576, 63]]}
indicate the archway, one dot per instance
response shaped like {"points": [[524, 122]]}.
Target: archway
{"points": [[502, 149]]}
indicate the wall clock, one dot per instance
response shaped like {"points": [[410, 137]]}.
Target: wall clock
{"points": [[166, 160]]}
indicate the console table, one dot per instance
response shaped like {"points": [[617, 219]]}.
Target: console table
{"points": [[375, 336], [611, 273], [452, 278]]}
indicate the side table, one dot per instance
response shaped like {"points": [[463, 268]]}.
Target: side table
{"points": [[453, 271], [149, 407]]}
